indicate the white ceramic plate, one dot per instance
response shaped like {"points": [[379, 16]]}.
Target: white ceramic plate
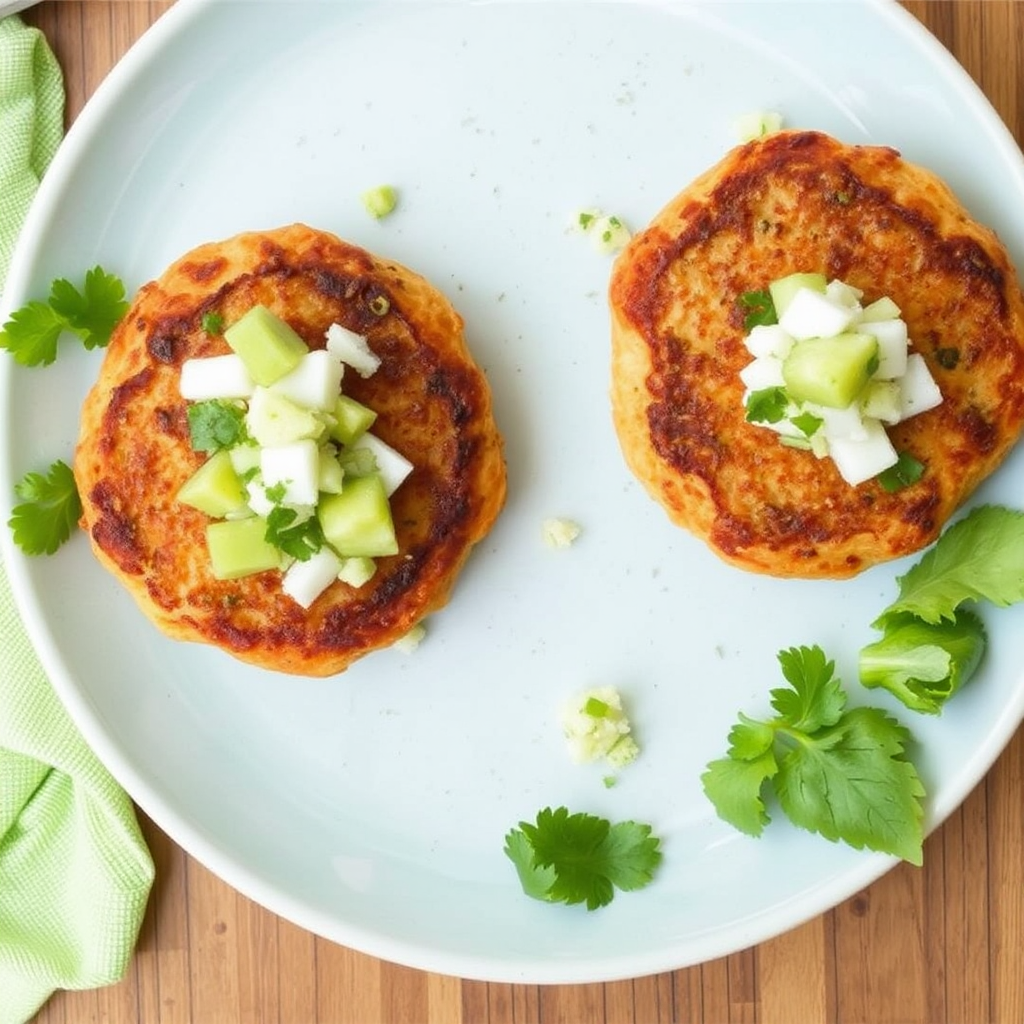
{"points": [[372, 807]]}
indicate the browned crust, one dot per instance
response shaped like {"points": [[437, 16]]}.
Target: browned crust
{"points": [[802, 201], [433, 404]]}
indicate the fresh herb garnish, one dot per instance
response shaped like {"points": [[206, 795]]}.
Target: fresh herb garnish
{"points": [[581, 858], [215, 424], [49, 510], [930, 646], [32, 332], [906, 471], [807, 423], [212, 323], [921, 663], [841, 772], [768, 405], [759, 309], [981, 557], [301, 540]]}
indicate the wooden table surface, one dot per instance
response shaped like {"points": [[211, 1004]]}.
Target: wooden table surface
{"points": [[943, 943]]}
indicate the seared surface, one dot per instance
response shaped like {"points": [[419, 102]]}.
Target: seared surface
{"points": [[801, 201], [434, 406]]}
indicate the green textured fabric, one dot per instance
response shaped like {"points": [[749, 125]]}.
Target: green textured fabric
{"points": [[75, 872]]}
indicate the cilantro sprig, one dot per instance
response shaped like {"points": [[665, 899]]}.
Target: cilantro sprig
{"points": [[581, 858], [48, 512], [840, 772], [32, 332]]}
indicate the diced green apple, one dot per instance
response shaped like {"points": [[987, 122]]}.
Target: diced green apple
{"points": [[358, 521], [214, 488], [267, 345], [357, 571], [784, 289], [330, 475], [275, 419], [238, 547], [352, 419], [881, 309], [830, 371]]}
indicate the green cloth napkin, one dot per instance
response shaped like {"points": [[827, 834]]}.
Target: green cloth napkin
{"points": [[75, 872]]}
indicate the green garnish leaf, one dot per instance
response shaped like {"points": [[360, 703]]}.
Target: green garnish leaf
{"points": [[212, 323], [32, 332], [759, 309], [840, 772], [921, 663], [215, 424], [807, 423], [906, 471], [980, 557], [94, 312], [581, 858], [50, 508], [300, 540], [768, 405]]}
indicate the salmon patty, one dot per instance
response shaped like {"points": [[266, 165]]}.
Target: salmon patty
{"points": [[792, 202], [433, 405]]}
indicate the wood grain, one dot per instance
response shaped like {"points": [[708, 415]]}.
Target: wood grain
{"points": [[920, 946]]}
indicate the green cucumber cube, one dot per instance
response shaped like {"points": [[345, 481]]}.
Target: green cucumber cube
{"points": [[357, 571], [783, 290], [881, 309], [358, 521], [830, 371], [273, 419], [239, 547], [352, 418], [267, 346], [214, 488]]}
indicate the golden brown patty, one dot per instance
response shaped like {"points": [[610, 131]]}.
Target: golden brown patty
{"points": [[433, 405], [801, 201]]}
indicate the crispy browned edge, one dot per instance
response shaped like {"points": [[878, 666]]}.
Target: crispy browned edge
{"points": [[675, 436], [133, 451]]}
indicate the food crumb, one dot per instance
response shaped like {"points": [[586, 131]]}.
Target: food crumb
{"points": [[559, 532], [408, 643]]}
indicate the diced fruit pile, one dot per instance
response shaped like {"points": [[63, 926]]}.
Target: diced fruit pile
{"points": [[294, 480], [830, 374]]}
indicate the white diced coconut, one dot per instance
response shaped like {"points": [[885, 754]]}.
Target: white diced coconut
{"points": [[892, 347], [305, 581], [392, 465], [256, 496], [768, 340], [810, 314], [881, 401], [352, 349], [213, 377], [845, 423], [315, 383], [918, 390], [296, 467], [860, 460], [844, 294], [763, 372]]}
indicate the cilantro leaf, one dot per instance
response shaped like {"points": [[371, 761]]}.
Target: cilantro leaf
{"points": [[839, 772], [734, 785], [581, 858], [906, 471], [50, 508], [768, 405], [921, 663], [807, 423], [981, 557], [94, 312], [852, 782], [215, 424], [759, 309], [301, 540], [32, 332]]}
